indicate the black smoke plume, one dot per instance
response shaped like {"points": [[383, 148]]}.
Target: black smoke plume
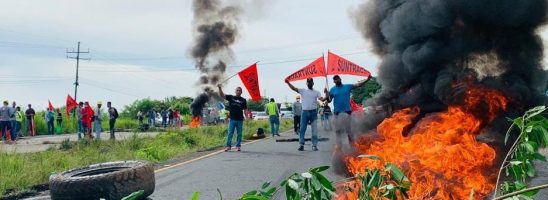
{"points": [[216, 29], [428, 46]]}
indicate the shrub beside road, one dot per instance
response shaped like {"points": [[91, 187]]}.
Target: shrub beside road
{"points": [[19, 172]]}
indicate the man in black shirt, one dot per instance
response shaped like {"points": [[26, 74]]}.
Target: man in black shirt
{"points": [[30, 120], [237, 105]]}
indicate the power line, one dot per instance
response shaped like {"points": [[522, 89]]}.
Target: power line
{"points": [[185, 69], [27, 45], [109, 89]]}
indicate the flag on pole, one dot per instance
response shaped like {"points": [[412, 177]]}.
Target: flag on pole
{"points": [[50, 106], [338, 65], [355, 107], [71, 104], [314, 69], [250, 78]]}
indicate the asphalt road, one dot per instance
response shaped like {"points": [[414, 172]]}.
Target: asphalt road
{"points": [[235, 173]]}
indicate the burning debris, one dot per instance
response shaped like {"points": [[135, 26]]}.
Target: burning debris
{"points": [[195, 122], [449, 71], [440, 154], [216, 29]]}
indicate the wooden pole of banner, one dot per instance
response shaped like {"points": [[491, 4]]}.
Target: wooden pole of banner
{"points": [[224, 81], [326, 80]]}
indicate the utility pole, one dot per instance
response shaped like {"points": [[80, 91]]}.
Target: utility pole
{"points": [[77, 52]]}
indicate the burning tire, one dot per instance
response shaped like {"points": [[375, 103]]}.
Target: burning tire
{"points": [[112, 180]]}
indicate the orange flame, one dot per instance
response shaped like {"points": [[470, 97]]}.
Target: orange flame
{"points": [[441, 155], [195, 122]]}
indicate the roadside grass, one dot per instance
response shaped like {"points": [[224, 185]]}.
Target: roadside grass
{"points": [[19, 172]]}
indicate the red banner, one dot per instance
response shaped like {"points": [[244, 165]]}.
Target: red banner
{"points": [[50, 106], [355, 107], [71, 104], [338, 65], [314, 69], [250, 78]]}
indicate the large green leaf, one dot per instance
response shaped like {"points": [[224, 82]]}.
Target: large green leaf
{"points": [[396, 172], [254, 192], [253, 197], [531, 193], [292, 184], [316, 183], [306, 175], [539, 156], [320, 169], [534, 111], [195, 196], [543, 134], [290, 193], [325, 183], [508, 133], [374, 180], [265, 185], [528, 147], [530, 170]]}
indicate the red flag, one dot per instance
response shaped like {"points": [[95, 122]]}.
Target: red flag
{"points": [[250, 78], [354, 106], [50, 106], [338, 65], [314, 69], [71, 104]]}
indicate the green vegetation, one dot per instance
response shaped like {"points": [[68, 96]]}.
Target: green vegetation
{"points": [[182, 104], [518, 164], [370, 88], [21, 171], [389, 183]]}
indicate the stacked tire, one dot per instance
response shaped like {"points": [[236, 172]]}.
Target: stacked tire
{"points": [[112, 180]]}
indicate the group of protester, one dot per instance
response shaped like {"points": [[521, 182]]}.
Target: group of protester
{"points": [[86, 115], [305, 113], [170, 117], [340, 96], [11, 120]]}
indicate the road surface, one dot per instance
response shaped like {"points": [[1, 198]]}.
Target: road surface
{"points": [[235, 173]]}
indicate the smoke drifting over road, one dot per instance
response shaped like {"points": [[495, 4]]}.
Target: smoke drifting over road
{"points": [[428, 46]]}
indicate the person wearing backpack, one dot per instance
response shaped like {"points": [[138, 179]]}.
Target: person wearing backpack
{"points": [[113, 115]]}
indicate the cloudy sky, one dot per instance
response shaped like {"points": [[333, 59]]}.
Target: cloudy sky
{"points": [[140, 48]]}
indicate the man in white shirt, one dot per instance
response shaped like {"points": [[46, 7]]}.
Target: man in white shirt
{"points": [[309, 111], [98, 123]]}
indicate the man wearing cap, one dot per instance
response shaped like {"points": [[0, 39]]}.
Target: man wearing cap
{"points": [[340, 95], [271, 109], [5, 121], [97, 124], [297, 110], [309, 111]]}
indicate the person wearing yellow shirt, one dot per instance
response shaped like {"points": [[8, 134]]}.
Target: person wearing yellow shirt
{"points": [[273, 113]]}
